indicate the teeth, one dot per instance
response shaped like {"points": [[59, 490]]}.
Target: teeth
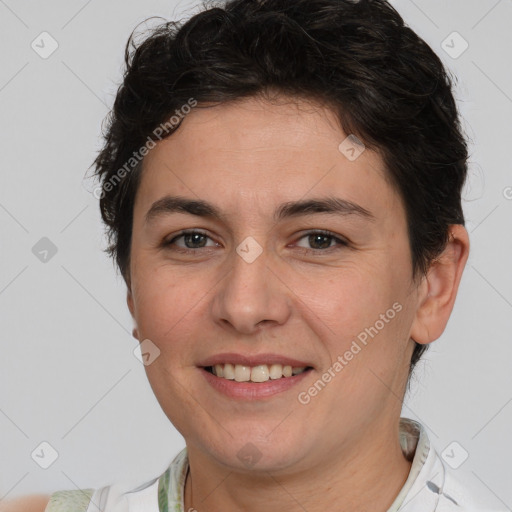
{"points": [[260, 373], [228, 372], [276, 371], [242, 373]]}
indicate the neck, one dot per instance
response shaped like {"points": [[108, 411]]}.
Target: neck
{"points": [[364, 475]]}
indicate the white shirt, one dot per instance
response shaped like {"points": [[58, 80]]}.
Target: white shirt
{"points": [[432, 486]]}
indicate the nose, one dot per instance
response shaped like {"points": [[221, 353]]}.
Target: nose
{"points": [[251, 295]]}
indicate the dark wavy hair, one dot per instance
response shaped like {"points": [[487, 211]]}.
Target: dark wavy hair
{"points": [[385, 84]]}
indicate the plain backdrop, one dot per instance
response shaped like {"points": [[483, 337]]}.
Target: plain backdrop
{"points": [[68, 373]]}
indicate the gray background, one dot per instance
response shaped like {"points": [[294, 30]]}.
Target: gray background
{"points": [[68, 375]]}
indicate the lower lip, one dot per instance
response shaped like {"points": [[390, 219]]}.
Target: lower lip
{"points": [[253, 390]]}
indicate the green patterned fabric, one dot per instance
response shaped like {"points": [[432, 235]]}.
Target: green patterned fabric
{"points": [[163, 492], [171, 484], [70, 501], [167, 493]]}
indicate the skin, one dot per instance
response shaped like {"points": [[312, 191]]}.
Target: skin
{"points": [[33, 503], [340, 451]]}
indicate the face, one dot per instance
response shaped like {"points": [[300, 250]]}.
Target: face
{"points": [[263, 279]]}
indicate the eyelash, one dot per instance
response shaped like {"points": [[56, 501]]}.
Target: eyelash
{"points": [[328, 234]]}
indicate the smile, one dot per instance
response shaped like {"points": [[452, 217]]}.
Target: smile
{"points": [[259, 373]]}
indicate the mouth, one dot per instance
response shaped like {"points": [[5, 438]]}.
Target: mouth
{"points": [[256, 374]]}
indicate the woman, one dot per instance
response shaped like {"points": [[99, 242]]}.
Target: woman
{"points": [[281, 181]]}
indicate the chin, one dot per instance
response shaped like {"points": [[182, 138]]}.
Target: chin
{"points": [[268, 451]]}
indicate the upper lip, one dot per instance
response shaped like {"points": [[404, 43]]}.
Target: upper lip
{"points": [[253, 360]]}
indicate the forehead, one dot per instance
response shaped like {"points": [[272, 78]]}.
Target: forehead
{"points": [[255, 154]]}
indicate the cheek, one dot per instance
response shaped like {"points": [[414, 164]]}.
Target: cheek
{"points": [[164, 305], [350, 302], [367, 318]]}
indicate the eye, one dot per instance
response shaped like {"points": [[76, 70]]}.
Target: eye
{"points": [[192, 239], [321, 241]]}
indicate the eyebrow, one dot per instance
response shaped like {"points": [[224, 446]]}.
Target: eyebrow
{"points": [[333, 205]]}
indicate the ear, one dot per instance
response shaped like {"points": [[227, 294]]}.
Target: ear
{"points": [[131, 307], [438, 289]]}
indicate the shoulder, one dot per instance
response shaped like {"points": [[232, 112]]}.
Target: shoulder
{"points": [[70, 501], [60, 501], [436, 485], [463, 492], [32, 503], [164, 492]]}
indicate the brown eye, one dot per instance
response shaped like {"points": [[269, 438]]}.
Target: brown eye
{"points": [[192, 240], [322, 241]]}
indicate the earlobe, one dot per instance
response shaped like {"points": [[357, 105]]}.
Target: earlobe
{"points": [[129, 302], [438, 290]]}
